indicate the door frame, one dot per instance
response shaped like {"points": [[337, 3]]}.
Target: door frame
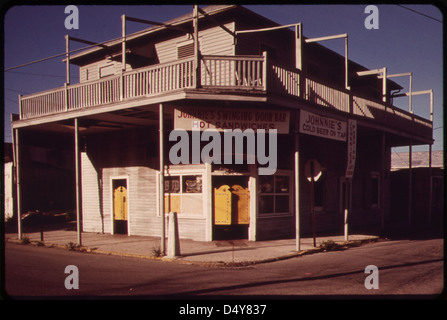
{"points": [[249, 187], [112, 216]]}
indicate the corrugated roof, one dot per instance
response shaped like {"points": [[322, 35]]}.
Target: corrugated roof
{"points": [[419, 159]]}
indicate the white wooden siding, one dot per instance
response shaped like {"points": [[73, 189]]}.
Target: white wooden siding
{"points": [[91, 214]]}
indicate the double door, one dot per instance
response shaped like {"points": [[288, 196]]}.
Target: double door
{"points": [[231, 207]]}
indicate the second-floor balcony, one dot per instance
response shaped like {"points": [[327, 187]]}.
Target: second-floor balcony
{"points": [[231, 74]]}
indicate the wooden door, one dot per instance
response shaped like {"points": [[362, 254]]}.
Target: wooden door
{"points": [[120, 203], [242, 208], [222, 205]]}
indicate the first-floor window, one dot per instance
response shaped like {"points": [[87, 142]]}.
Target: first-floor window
{"points": [[274, 194], [183, 194]]}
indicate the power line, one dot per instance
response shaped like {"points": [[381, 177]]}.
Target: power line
{"points": [[42, 74], [80, 49], [422, 14]]}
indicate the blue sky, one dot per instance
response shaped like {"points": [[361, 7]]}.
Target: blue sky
{"points": [[405, 42]]}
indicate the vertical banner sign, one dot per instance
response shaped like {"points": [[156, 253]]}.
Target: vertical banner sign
{"points": [[352, 142]]}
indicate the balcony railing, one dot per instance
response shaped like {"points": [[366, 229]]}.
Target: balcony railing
{"points": [[248, 73]]}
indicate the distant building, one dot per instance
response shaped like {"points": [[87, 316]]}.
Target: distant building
{"points": [[426, 192], [8, 181], [222, 67]]}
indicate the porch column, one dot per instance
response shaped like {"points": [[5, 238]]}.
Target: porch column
{"points": [[78, 184], [299, 46], [253, 189], [16, 155], [297, 192], [382, 186], [208, 198], [197, 74], [67, 57], [162, 184], [430, 194], [123, 42], [410, 183]]}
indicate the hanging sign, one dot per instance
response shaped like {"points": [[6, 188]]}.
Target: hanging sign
{"points": [[320, 126], [191, 118], [352, 143]]}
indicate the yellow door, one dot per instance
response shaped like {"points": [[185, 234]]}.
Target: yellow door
{"points": [[222, 205], [242, 195], [120, 203]]}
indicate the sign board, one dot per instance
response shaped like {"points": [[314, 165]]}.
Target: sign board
{"points": [[320, 126], [312, 169], [352, 144], [192, 118]]}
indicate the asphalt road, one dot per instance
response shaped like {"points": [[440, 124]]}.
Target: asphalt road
{"points": [[406, 269]]}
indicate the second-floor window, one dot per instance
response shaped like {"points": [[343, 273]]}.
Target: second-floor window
{"points": [[185, 50]]}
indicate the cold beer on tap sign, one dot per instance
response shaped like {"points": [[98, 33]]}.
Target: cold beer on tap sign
{"points": [[321, 126]]}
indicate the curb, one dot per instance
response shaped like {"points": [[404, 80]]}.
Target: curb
{"points": [[216, 264]]}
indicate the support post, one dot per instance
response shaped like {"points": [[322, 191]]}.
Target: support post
{"points": [[123, 42], [16, 155], [299, 46], [297, 193], [197, 81], [382, 184], [346, 64], [430, 194], [312, 205], [410, 178], [346, 210], [384, 85], [410, 90], [162, 184], [78, 187], [67, 58]]}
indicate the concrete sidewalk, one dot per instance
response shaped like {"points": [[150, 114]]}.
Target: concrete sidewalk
{"points": [[215, 253]]}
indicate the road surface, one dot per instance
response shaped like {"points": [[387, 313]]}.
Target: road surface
{"points": [[404, 268]]}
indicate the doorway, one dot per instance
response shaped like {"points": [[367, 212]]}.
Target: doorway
{"points": [[120, 206], [231, 207]]}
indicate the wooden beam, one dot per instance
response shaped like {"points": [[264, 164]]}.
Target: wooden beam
{"points": [[161, 184]]}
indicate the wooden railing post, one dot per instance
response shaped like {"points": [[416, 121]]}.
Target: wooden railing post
{"points": [[20, 107], [265, 71], [121, 84], [66, 96]]}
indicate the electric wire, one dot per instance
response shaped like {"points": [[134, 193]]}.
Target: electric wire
{"points": [[422, 14]]}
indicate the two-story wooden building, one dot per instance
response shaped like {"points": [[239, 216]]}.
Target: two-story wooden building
{"points": [[223, 67]]}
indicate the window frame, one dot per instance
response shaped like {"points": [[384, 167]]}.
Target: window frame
{"points": [[274, 194]]}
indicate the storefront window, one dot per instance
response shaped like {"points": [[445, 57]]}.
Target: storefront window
{"points": [[172, 184], [274, 194], [192, 184], [183, 194]]}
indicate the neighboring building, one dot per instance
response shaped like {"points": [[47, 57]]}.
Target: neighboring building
{"points": [[47, 173], [8, 187], [426, 188], [261, 79]]}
